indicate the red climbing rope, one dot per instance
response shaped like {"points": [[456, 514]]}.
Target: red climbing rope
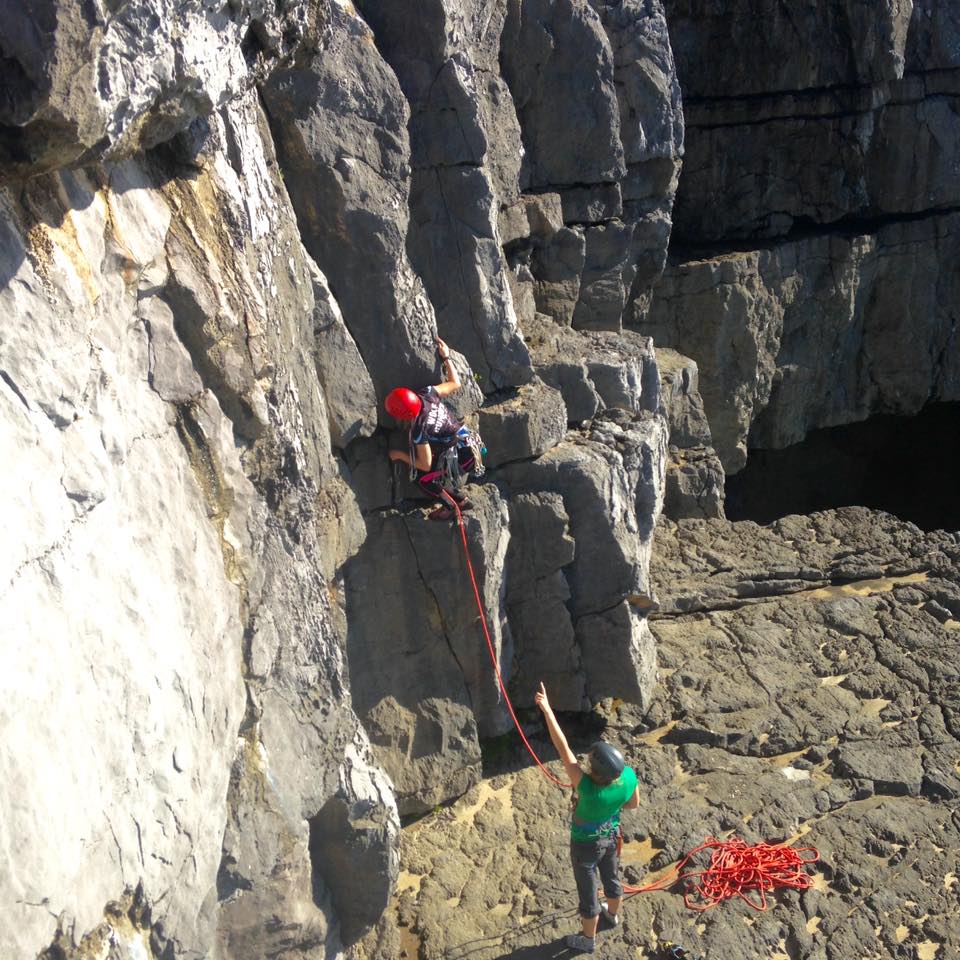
{"points": [[737, 870], [493, 654]]}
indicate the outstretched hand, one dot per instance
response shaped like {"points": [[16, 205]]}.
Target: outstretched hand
{"points": [[442, 349], [541, 698]]}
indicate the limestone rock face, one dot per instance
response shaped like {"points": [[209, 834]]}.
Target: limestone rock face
{"points": [[465, 145], [608, 148], [421, 676], [615, 470], [340, 126], [523, 425], [238, 651], [837, 165], [194, 527], [695, 478], [815, 332], [537, 595], [86, 82], [827, 713]]}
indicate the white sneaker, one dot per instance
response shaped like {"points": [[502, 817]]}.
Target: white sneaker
{"points": [[612, 918]]}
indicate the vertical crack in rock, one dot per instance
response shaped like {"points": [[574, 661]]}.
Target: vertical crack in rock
{"points": [[439, 609]]}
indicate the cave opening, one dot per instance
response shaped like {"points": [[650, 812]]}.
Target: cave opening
{"points": [[906, 466]]}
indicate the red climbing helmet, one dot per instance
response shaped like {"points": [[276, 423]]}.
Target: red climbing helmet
{"points": [[402, 403]]}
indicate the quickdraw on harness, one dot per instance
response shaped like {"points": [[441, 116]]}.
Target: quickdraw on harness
{"points": [[736, 869], [452, 474]]}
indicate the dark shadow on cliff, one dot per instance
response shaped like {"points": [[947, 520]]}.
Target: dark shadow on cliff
{"points": [[906, 466]]}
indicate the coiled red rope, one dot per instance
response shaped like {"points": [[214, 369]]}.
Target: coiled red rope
{"points": [[736, 869]]}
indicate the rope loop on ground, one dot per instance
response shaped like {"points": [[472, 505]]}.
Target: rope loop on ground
{"points": [[737, 869]]}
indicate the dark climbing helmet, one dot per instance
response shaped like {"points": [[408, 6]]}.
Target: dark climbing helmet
{"points": [[606, 761], [402, 403]]}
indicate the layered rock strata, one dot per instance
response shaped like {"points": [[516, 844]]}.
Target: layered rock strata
{"points": [[814, 210]]}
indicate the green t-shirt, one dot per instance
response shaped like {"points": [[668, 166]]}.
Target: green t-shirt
{"points": [[598, 808]]}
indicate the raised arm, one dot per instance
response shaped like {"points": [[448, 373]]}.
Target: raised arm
{"points": [[452, 383], [557, 738]]}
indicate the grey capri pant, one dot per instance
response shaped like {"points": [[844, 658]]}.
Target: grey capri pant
{"points": [[588, 857]]}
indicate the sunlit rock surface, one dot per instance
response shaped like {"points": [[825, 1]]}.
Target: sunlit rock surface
{"points": [[237, 651]]}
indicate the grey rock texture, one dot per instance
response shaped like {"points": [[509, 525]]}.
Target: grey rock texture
{"points": [[814, 332], [340, 126], [695, 478], [537, 595], [237, 652], [87, 81], [610, 153], [822, 718], [527, 423], [823, 229], [595, 370], [194, 522], [613, 469], [420, 674], [464, 142]]}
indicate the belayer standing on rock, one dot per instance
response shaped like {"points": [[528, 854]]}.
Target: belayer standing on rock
{"points": [[439, 445], [608, 787]]}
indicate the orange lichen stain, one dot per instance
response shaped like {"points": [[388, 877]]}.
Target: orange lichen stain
{"points": [[784, 759], [781, 953], [819, 882], [833, 681], [409, 944], [875, 706], [43, 243]]}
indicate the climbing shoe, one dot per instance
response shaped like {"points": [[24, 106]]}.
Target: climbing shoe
{"points": [[577, 941], [613, 919], [441, 513]]}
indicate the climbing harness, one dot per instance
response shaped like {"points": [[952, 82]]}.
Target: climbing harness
{"points": [[736, 869], [452, 474]]}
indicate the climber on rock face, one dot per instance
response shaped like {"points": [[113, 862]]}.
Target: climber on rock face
{"points": [[434, 432], [608, 787]]}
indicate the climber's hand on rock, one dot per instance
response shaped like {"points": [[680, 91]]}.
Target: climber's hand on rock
{"points": [[442, 349]]}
